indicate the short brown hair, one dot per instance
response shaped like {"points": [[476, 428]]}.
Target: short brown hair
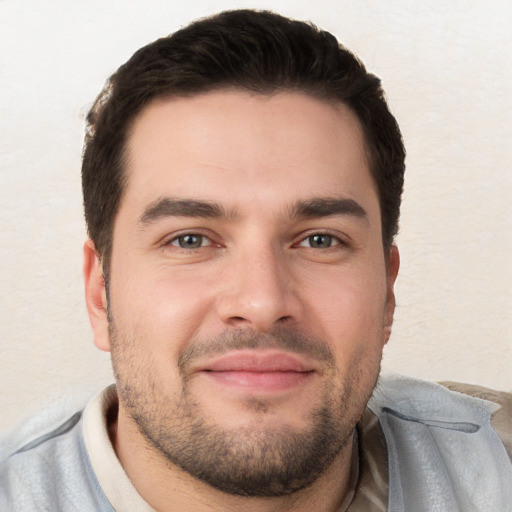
{"points": [[258, 51]]}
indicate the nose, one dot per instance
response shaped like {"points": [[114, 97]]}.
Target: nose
{"points": [[258, 291]]}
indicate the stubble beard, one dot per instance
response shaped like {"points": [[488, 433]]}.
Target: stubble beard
{"points": [[262, 459]]}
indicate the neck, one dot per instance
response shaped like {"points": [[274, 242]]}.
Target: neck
{"points": [[165, 487]]}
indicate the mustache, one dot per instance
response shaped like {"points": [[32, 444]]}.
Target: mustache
{"points": [[240, 339]]}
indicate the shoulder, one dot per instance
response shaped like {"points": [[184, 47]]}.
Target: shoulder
{"points": [[444, 403], [417, 395], [501, 420], [502, 398], [441, 441], [51, 471]]}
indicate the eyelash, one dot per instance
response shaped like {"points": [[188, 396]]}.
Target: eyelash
{"points": [[333, 240], [337, 239], [175, 241]]}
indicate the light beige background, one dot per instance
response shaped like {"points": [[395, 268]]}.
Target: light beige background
{"points": [[447, 68]]}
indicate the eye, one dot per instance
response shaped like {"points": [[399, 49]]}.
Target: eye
{"points": [[320, 241], [190, 241]]}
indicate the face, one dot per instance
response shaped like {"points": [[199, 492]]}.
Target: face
{"points": [[250, 296]]}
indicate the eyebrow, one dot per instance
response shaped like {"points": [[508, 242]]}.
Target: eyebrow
{"points": [[326, 207], [170, 207], [302, 209]]}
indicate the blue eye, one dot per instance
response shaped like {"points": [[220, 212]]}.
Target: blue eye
{"points": [[189, 241]]}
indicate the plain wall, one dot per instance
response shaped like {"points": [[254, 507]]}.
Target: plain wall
{"points": [[446, 67]]}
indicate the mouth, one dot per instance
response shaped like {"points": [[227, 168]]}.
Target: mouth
{"points": [[258, 371]]}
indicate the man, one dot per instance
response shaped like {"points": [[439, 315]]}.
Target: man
{"points": [[242, 183]]}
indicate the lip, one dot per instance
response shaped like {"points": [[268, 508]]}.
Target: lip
{"points": [[257, 371], [258, 361]]}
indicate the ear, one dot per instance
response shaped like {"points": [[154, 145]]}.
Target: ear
{"points": [[392, 266], [96, 296]]}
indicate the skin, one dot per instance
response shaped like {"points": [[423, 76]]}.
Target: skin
{"points": [[263, 267]]}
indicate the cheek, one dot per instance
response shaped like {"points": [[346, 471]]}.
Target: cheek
{"points": [[350, 314], [349, 301], [165, 310]]}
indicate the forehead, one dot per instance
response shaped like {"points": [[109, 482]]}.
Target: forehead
{"points": [[233, 146]]}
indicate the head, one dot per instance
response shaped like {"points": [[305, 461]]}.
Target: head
{"points": [[260, 52], [242, 181]]}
